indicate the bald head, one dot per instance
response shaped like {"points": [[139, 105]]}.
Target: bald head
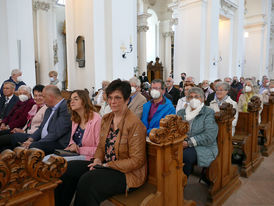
{"points": [[52, 95]]}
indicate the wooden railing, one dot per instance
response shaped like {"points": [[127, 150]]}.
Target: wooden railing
{"points": [[223, 176], [246, 137], [26, 180]]}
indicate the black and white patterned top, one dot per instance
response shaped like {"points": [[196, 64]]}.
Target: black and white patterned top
{"points": [[109, 146]]}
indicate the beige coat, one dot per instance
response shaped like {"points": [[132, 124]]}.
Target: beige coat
{"points": [[214, 105], [136, 105], [130, 148], [242, 102]]}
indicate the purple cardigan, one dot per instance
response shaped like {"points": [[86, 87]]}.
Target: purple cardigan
{"points": [[17, 117]]}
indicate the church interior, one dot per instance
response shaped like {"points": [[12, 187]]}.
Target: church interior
{"points": [[84, 44]]}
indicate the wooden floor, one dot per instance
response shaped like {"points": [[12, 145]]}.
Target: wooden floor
{"points": [[257, 190]]}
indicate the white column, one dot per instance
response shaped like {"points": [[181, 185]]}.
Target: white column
{"points": [[79, 22], [257, 24], [167, 63], [46, 37], [190, 35], [142, 29]]}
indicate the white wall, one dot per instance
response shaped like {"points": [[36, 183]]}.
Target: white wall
{"points": [[4, 48], [113, 24], [16, 20], [124, 28]]}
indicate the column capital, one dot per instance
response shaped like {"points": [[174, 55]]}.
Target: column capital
{"points": [[168, 34], [142, 19], [142, 28], [40, 5]]}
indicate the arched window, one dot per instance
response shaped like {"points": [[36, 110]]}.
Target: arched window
{"points": [[152, 36]]}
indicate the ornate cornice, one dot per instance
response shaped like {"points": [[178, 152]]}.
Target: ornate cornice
{"points": [[253, 21], [39, 5], [228, 8], [142, 28]]}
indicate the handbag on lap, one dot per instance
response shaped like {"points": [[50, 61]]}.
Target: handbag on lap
{"points": [[65, 153]]}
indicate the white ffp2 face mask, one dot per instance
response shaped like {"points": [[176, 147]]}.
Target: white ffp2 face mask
{"points": [[19, 79], [23, 97], [271, 89], [155, 94], [52, 79], [133, 90], [248, 89], [195, 103]]}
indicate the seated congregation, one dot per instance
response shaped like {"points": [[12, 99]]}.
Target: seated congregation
{"points": [[119, 141]]}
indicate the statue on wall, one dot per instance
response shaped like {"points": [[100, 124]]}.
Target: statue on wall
{"points": [[80, 57]]}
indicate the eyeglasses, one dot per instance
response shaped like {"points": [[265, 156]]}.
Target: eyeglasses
{"points": [[115, 98], [220, 90], [194, 97]]}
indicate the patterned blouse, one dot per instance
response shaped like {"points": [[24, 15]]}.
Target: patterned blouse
{"points": [[78, 136], [109, 146]]}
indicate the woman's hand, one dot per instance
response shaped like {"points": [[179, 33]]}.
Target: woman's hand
{"points": [[73, 148], [185, 144], [17, 130], [27, 143], [3, 126], [95, 162]]}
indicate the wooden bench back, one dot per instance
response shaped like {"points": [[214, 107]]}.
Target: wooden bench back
{"points": [[222, 174], [247, 133], [26, 180], [267, 125], [165, 157]]}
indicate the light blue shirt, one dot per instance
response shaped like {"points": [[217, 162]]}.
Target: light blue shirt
{"points": [[45, 128]]}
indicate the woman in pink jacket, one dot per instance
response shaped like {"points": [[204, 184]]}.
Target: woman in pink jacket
{"points": [[86, 126]]}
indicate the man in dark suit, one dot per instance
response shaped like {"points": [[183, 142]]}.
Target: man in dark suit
{"points": [[174, 92], [143, 78], [7, 100], [55, 129]]}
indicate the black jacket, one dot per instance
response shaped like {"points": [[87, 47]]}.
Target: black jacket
{"points": [[4, 112]]}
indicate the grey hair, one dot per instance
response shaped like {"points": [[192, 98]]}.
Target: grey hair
{"points": [[159, 81], [224, 85], [135, 81], [171, 79], [250, 81], [198, 91], [11, 84], [15, 71], [53, 90], [25, 88]]}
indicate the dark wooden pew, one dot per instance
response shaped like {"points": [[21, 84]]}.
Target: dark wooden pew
{"points": [[246, 137], [223, 176], [165, 182], [26, 180], [267, 126]]}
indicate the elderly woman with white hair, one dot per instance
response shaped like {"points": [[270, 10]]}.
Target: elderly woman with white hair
{"points": [[221, 97], [136, 99], [18, 116], [201, 145]]}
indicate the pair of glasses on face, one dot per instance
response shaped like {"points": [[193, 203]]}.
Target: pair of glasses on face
{"points": [[115, 98], [193, 97]]}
